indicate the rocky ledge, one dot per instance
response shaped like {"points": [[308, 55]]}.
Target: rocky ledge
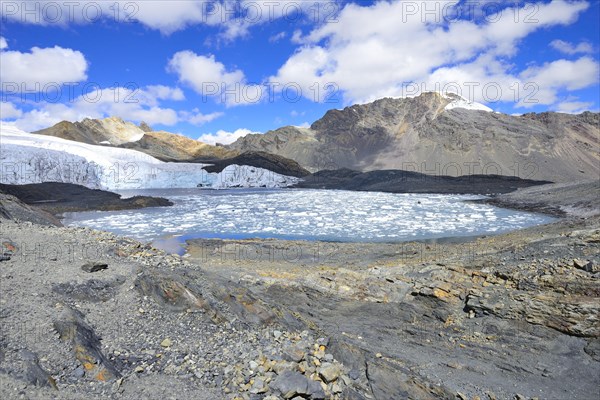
{"points": [[88, 314], [258, 159], [513, 316]]}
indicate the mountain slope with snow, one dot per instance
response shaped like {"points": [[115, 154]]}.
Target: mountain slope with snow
{"points": [[439, 134], [31, 158]]}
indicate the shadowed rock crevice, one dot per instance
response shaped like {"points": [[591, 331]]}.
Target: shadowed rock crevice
{"points": [[180, 292], [73, 329]]}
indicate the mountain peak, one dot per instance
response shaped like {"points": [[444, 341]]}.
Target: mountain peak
{"points": [[145, 127], [434, 132]]}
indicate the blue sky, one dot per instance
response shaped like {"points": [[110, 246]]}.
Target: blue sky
{"points": [[168, 63]]}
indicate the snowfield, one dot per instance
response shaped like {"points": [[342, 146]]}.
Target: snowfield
{"points": [[460, 102], [29, 158]]}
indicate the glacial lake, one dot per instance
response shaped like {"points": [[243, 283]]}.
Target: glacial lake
{"points": [[302, 214]]}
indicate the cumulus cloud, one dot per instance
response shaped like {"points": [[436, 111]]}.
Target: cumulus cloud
{"points": [[211, 78], [573, 107], [224, 137], [165, 92], [366, 60], [200, 72], [3, 43], [41, 67], [570, 48], [234, 17], [9, 111], [561, 74], [195, 117], [133, 104]]}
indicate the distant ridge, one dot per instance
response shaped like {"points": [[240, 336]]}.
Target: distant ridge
{"points": [[440, 135], [115, 132]]}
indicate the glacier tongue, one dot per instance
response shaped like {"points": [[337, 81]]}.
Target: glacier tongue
{"points": [[29, 158]]}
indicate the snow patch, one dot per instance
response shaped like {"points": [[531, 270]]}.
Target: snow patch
{"points": [[136, 138], [460, 102]]}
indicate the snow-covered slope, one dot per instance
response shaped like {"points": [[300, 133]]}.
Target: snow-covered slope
{"points": [[461, 102], [30, 158]]}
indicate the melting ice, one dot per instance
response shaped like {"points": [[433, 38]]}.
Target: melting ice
{"points": [[308, 215]]}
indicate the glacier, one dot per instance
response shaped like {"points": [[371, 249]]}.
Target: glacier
{"points": [[30, 158]]}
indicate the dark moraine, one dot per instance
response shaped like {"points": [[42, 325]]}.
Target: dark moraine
{"points": [[57, 197], [400, 181]]}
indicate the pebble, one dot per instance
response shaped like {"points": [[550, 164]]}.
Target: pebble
{"points": [[166, 343]]}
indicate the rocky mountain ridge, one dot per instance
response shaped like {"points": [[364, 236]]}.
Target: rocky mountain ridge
{"points": [[426, 134], [434, 134], [115, 132]]}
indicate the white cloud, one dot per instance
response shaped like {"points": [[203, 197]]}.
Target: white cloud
{"points": [[9, 111], [277, 37], [154, 14], [41, 67], [376, 50], [569, 48], [3, 43], [165, 92], [573, 107], [561, 74], [171, 17], [197, 118], [211, 78], [572, 75], [235, 17], [224, 137], [202, 72], [135, 105]]}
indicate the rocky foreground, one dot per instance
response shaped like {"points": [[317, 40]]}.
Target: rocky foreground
{"points": [[87, 314]]}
